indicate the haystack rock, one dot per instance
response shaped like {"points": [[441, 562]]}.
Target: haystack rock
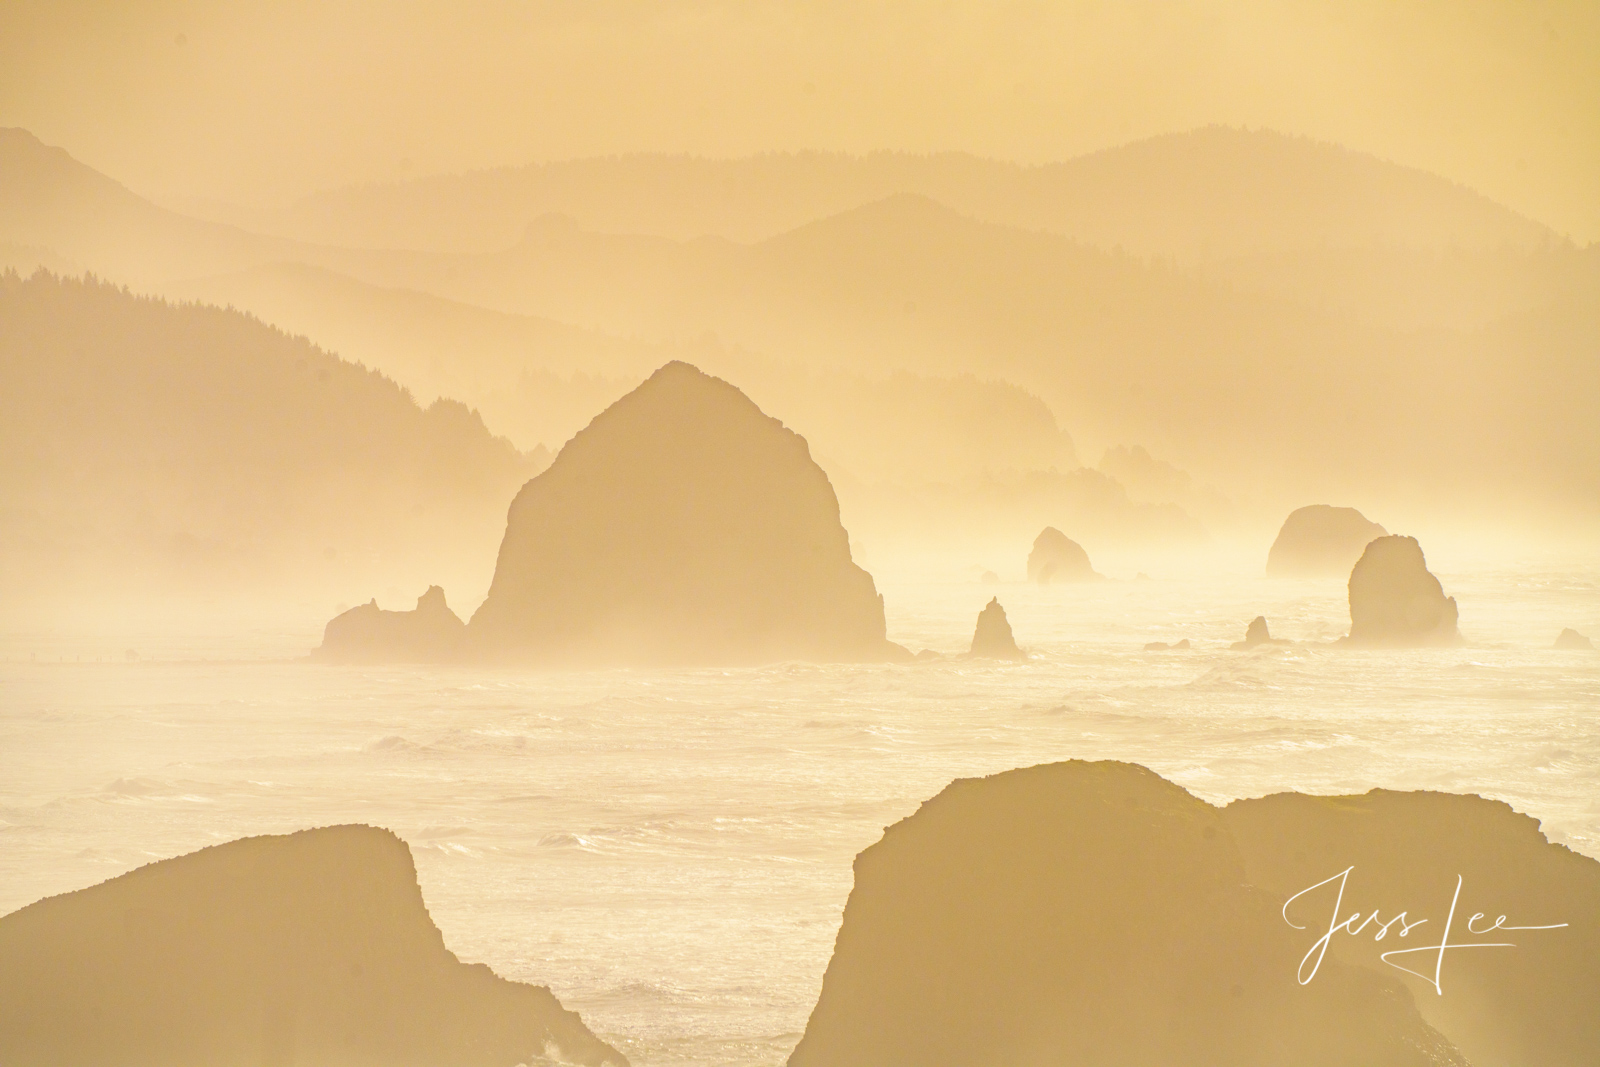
{"points": [[1058, 558], [1572, 640], [1087, 913], [368, 634], [1395, 602], [681, 526], [1320, 540], [993, 639], [1256, 634], [309, 948], [1532, 1004]]}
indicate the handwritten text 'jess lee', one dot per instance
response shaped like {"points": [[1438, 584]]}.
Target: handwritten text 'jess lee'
{"points": [[1478, 926]]}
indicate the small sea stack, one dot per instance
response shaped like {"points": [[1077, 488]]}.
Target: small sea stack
{"points": [[1572, 641], [1162, 646], [683, 526], [1395, 602], [430, 633], [1320, 541], [306, 948], [1255, 635], [1087, 913], [1058, 558], [993, 638]]}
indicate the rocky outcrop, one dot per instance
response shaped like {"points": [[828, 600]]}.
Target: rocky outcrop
{"points": [[1086, 913], [1319, 541], [682, 526], [1532, 1004], [1058, 558], [1256, 634], [1395, 602], [312, 948], [1162, 646], [368, 634], [1572, 640], [993, 639]]}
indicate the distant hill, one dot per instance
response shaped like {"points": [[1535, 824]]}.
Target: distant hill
{"points": [[1205, 193], [173, 455], [440, 347], [1319, 366], [1238, 387], [53, 204], [538, 381]]}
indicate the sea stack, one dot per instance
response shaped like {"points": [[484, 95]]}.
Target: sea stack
{"points": [[1058, 558], [1395, 602], [681, 527], [1256, 634], [368, 634], [993, 638], [307, 948], [1533, 1004], [1086, 913], [1319, 541], [1572, 641]]}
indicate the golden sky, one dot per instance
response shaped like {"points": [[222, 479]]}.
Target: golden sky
{"points": [[260, 103]]}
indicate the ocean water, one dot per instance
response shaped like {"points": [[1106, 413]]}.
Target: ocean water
{"points": [[671, 851]]}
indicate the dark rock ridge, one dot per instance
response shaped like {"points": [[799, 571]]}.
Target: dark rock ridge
{"points": [[1162, 646], [368, 634], [313, 948], [1572, 639], [1256, 634], [1058, 558], [1320, 540], [1532, 1004], [1087, 913], [993, 639], [681, 526], [1395, 601]]}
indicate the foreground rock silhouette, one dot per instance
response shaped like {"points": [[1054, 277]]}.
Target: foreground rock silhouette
{"points": [[312, 948], [1087, 913], [1572, 640], [993, 638], [1533, 1004], [1320, 540], [1395, 602], [1058, 558], [368, 634]]}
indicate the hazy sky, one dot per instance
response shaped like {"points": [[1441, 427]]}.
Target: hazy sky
{"points": [[264, 102]]}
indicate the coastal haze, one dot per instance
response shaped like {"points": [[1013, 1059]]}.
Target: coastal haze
{"points": [[581, 438]]}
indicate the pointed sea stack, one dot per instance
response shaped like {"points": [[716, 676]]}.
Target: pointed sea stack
{"points": [[1320, 540], [1256, 634], [1572, 641], [308, 948], [1395, 602], [681, 526], [367, 634], [1058, 558], [993, 638], [1087, 913]]}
